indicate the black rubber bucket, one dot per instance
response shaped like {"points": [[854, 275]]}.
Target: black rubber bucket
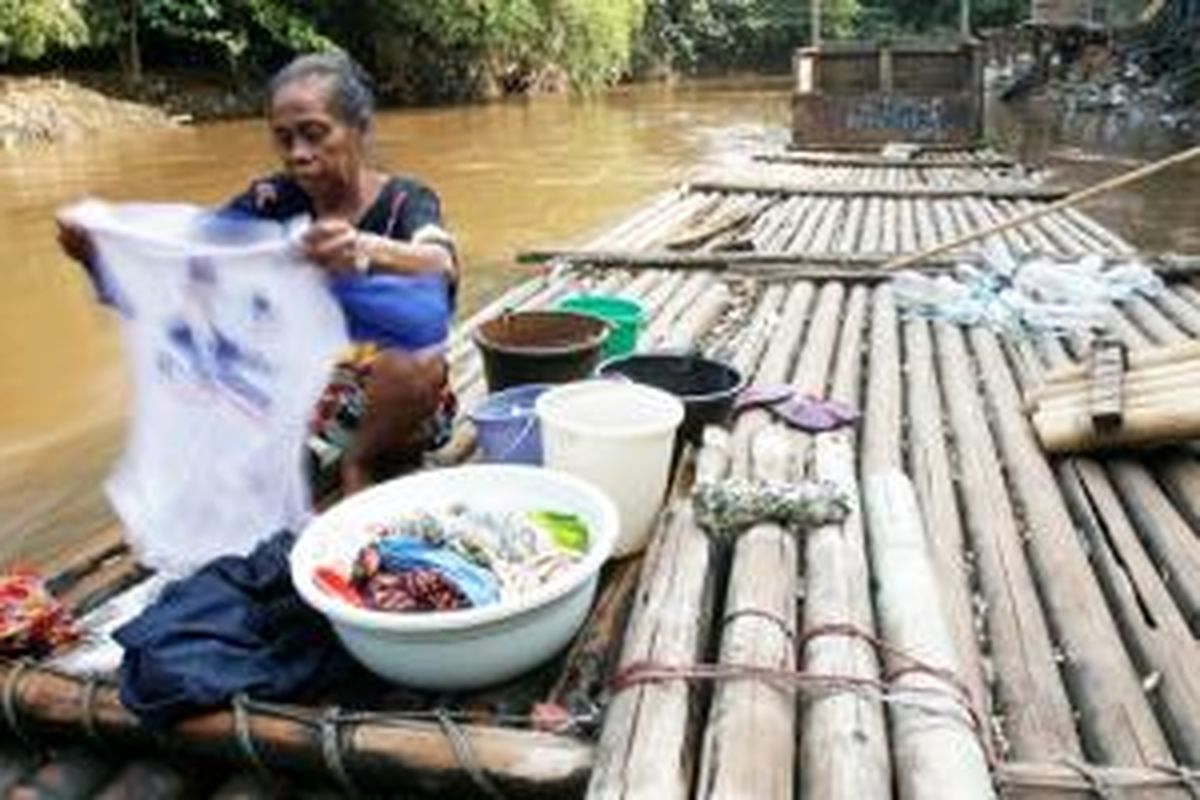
{"points": [[539, 347], [707, 387]]}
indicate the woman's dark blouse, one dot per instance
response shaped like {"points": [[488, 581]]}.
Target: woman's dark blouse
{"points": [[405, 311]]}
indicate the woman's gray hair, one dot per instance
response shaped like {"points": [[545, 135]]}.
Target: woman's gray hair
{"points": [[350, 96]]}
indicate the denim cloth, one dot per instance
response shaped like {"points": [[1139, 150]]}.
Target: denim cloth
{"points": [[235, 626]]}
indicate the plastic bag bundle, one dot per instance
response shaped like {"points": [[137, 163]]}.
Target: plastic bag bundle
{"points": [[1037, 296]]}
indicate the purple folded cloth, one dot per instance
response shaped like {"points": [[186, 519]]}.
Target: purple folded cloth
{"points": [[762, 395], [808, 414]]}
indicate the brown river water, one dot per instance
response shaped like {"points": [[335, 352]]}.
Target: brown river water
{"points": [[511, 175]]}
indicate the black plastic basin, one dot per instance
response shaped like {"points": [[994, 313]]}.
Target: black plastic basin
{"points": [[706, 387], [539, 347]]}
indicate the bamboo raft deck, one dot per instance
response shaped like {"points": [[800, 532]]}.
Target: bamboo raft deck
{"points": [[988, 621]]}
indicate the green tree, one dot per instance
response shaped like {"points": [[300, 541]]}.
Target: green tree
{"points": [[229, 29], [592, 41], [29, 28]]}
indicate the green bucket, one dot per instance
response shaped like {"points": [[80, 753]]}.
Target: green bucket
{"points": [[626, 317]]}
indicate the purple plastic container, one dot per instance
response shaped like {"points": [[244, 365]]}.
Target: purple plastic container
{"points": [[506, 426]]}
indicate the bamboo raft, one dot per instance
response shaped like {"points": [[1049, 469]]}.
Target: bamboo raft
{"points": [[988, 621]]}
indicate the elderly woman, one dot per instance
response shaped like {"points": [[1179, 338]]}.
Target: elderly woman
{"points": [[391, 265]]}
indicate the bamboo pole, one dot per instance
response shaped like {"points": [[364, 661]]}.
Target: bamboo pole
{"points": [[1072, 200], [764, 186], [678, 303], [641, 218], [1079, 781], [1037, 715], [1180, 473], [751, 338], [749, 742], [594, 650], [1115, 716], [843, 741], [1149, 617], [695, 322], [930, 753], [145, 779], [646, 745], [936, 746], [1165, 418], [378, 753], [1165, 532], [798, 157], [929, 462], [801, 251], [71, 773], [1181, 312], [1140, 379], [749, 746], [773, 369]]}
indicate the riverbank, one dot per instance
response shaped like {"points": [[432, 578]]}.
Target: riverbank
{"points": [[42, 110]]}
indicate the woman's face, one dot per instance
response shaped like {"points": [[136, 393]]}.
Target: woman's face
{"points": [[318, 150]]}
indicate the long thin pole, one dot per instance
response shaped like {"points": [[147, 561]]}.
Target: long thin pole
{"points": [[1103, 187], [816, 22], [964, 17]]}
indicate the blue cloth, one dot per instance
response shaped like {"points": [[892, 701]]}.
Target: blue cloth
{"points": [[409, 312], [235, 626], [400, 553]]}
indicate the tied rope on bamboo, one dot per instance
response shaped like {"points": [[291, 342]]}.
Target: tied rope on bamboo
{"points": [[326, 723], [951, 687]]}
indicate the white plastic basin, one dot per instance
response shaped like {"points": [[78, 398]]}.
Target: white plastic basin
{"points": [[470, 647], [619, 436]]}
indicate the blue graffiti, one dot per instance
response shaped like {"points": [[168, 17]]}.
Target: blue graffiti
{"points": [[918, 116]]}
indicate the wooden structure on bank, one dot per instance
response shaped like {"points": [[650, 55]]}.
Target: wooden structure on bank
{"points": [[862, 94], [989, 620]]}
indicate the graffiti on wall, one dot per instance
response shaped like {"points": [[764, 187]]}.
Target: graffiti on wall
{"points": [[879, 118], [919, 117]]}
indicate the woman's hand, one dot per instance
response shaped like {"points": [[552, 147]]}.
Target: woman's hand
{"points": [[333, 244]]}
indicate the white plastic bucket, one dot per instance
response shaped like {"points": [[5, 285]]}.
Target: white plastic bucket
{"points": [[618, 436]]}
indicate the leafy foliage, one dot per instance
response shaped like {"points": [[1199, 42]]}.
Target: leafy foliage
{"points": [[29, 28], [454, 49]]}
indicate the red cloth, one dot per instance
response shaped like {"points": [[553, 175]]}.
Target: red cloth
{"points": [[32, 622]]}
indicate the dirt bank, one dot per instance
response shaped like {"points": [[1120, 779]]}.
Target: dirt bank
{"points": [[55, 109]]}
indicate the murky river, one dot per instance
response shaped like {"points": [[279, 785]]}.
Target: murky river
{"points": [[510, 174]]}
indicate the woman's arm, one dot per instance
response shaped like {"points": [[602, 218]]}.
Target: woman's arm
{"points": [[391, 255], [340, 248]]}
